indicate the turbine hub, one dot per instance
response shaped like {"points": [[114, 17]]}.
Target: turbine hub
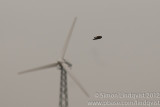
{"points": [[60, 60]]}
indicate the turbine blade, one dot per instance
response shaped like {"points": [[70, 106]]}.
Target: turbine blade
{"points": [[39, 68], [76, 81], [68, 38]]}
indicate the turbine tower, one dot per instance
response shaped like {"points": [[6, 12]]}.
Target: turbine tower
{"points": [[61, 64]]}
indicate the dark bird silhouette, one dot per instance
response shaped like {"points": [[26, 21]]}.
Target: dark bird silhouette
{"points": [[97, 37]]}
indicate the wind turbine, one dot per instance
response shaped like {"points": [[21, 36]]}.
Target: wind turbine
{"points": [[61, 64]]}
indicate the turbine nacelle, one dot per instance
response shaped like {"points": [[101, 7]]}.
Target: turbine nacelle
{"points": [[60, 61], [67, 63]]}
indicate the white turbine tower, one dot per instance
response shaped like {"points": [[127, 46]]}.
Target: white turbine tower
{"points": [[61, 64]]}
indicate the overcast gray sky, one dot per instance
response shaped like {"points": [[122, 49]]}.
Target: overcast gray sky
{"points": [[32, 33]]}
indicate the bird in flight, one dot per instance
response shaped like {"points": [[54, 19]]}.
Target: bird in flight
{"points": [[97, 37]]}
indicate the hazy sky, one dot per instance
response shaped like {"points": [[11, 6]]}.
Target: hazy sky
{"points": [[32, 33]]}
